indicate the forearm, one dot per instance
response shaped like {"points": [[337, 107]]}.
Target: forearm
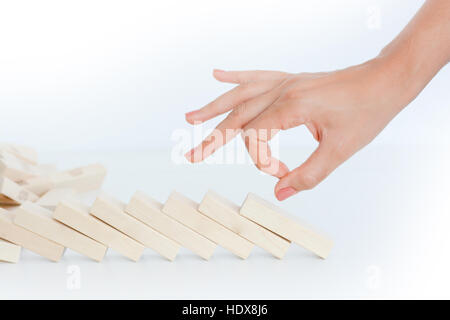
{"points": [[422, 48]]}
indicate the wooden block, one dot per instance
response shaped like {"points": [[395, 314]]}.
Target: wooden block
{"points": [[275, 219], [11, 193], [39, 185], [112, 212], [9, 252], [22, 152], [39, 220], [46, 169], [81, 179], [27, 239], [185, 211], [15, 169], [227, 214], [77, 216], [149, 212], [52, 198]]}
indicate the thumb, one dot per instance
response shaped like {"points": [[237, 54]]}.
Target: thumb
{"points": [[317, 167]]}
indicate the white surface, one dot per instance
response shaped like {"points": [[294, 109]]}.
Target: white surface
{"points": [[388, 210]]}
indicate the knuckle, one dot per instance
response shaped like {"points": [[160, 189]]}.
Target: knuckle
{"points": [[242, 79], [243, 86], [237, 113], [308, 180], [290, 117], [292, 93]]}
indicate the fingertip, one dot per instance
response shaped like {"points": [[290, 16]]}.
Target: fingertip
{"points": [[283, 170], [276, 168], [193, 117], [282, 184], [195, 155], [188, 155], [285, 193], [218, 74]]}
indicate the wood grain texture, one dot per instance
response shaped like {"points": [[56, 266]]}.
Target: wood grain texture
{"points": [[277, 220], [9, 252], [112, 212], [226, 213], [53, 197], [27, 239], [12, 193], [39, 220], [149, 212], [24, 153], [81, 179], [77, 216], [16, 169], [185, 211]]}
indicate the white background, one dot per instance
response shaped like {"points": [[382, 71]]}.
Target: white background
{"points": [[93, 81], [121, 74]]}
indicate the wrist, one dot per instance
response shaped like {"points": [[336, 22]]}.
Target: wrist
{"points": [[403, 73]]}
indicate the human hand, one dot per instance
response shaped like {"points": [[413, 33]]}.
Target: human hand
{"points": [[344, 110]]}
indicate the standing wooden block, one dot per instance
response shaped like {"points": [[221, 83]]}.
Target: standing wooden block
{"points": [[52, 198], [185, 211], [81, 179], [15, 169], [227, 213], [11, 193], [22, 152], [39, 220], [27, 239], [77, 216], [275, 219], [149, 212], [9, 252], [112, 212]]}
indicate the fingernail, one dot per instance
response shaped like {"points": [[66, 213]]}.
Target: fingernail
{"points": [[219, 70], [285, 193], [190, 117], [190, 114]]}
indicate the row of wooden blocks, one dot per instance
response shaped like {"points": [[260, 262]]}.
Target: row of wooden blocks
{"points": [[46, 218]]}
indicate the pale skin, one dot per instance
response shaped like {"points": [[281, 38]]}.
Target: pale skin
{"points": [[344, 110]]}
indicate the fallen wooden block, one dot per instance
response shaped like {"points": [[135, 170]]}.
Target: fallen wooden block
{"points": [[52, 198], [149, 212], [46, 169], [39, 220], [227, 213], [275, 219], [81, 179], [38, 185], [112, 212], [12, 193], [15, 169], [27, 239], [185, 211], [22, 152], [77, 216], [9, 252]]}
